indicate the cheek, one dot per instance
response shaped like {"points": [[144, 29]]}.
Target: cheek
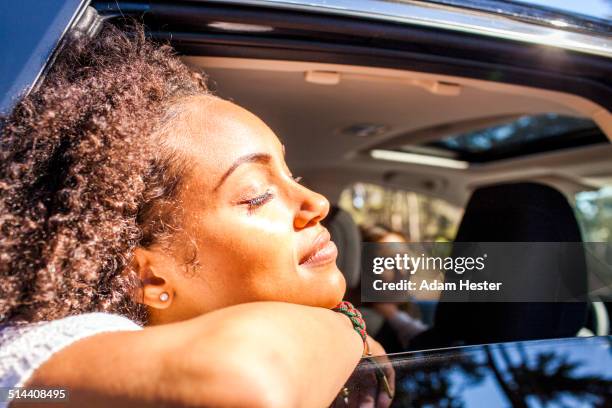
{"points": [[243, 245], [244, 258]]}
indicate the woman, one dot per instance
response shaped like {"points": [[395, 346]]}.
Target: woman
{"points": [[128, 190]]}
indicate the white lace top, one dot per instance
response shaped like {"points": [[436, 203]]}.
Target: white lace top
{"points": [[26, 346]]}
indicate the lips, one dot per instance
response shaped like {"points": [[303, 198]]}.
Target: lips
{"points": [[322, 251]]}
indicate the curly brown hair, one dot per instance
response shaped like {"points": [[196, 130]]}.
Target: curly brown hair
{"points": [[85, 178]]}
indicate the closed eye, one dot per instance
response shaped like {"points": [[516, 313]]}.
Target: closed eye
{"points": [[256, 202]]}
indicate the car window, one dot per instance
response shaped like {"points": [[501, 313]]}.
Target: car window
{"points": [[522, 136], [545, 373], [594, 213], [420, 218]]}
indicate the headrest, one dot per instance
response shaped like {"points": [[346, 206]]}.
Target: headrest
{"points": [[345, 234], [520, 212]]}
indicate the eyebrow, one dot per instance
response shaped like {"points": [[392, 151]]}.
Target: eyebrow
{"points": [[263, 158]]}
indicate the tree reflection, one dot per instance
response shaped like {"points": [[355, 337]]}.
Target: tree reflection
{"points": [[549, 377], [513, 374], [438, 382]]}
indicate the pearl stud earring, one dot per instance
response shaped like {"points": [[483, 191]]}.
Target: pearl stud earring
{"points": [[164, 296]]}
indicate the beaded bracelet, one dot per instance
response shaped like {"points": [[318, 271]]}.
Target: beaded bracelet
{"points": [[356, 318]]}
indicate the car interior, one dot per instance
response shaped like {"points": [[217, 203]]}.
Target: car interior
{"points": [[334, 118], [512, 152], [536, 213], [322, 124]]}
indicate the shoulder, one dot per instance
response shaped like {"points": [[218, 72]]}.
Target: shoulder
{"points": [[26, 346]]}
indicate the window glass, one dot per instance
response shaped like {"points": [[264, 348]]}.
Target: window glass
{"points": [[525, 129], [528, 134], [594, 212], [546, 373], [419, 218]]}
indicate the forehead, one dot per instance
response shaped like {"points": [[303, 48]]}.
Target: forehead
{"points": [[214, 133], [208, 123]]}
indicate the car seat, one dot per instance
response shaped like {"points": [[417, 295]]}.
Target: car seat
{"points": [[345, 234], [518, 212]]}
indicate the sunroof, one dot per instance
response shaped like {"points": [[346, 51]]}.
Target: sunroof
{"points": [[526, 135]]}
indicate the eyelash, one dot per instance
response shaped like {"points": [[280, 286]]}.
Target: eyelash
{"points": [[258, 201]]}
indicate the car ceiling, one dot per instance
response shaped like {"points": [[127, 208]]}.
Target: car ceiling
{"points": [[309, 117]]}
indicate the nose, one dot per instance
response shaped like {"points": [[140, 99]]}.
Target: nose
{"points": [[313, 207]]}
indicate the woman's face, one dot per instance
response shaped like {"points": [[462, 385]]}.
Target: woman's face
{"points": [[255, 231]]}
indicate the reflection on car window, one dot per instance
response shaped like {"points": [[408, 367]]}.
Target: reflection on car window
{"points": [[547, 373]]}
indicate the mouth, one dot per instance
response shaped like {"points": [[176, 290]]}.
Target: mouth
{"points": [[322, 251]]}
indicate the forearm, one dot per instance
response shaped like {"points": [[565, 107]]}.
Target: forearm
{"points": [[298, 355], [256, 354]]}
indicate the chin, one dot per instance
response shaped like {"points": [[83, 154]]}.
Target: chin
{"points": [[332, 292], [323, 288]]}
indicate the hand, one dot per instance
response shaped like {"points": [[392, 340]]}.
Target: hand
{"points": [[366, 386], [385, 391]]}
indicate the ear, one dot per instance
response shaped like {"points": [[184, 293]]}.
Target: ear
{"points": [[157, 291]]}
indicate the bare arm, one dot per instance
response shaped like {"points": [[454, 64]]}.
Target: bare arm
{"points": [[259, 354]]}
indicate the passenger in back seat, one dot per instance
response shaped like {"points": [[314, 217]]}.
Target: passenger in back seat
{"points": [[399, 326]]}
